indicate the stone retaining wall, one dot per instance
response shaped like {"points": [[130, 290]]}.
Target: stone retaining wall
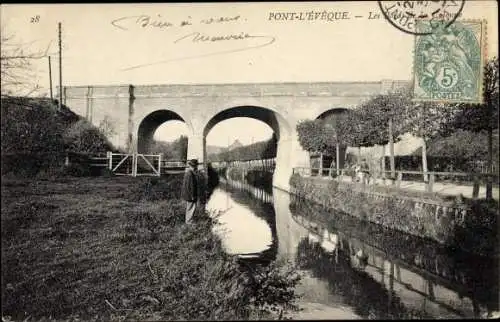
{"points": [[454, 223]]}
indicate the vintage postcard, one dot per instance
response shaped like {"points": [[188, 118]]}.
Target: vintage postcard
{"points": [[250, 160]]}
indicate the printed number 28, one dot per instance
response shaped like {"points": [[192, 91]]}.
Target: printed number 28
{"points": [[35, 19]]}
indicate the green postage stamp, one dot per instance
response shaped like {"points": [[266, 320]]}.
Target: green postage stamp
{"points": [[448, 61]]}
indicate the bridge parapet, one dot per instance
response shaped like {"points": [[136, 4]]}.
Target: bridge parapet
{"points": [[76, 92], [313, 89], [328, 89]]}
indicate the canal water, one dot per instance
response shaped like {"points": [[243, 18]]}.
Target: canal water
{"points": [[353, 269]]}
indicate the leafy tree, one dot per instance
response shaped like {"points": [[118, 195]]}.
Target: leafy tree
{"points": [[255, 151], [180, 147], [349, 129], [462, 144], [82, 136], [379, 121], [428, 120], [483, 117], [176, 150], [31, 126], [314, 136], [107, 127], [270, 148], [162, 147]]}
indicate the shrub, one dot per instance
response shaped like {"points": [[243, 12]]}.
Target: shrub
{"points": [[82, 136], [30, 127], [36, 135], [272, 288], [29, 164], [106, 173], [77, 170], [295, 180]]}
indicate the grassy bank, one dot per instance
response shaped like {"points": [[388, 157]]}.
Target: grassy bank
{"points": [[116, 248]]}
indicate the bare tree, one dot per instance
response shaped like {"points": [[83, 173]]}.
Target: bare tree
{"points": [[18, 73], [107, 127]]}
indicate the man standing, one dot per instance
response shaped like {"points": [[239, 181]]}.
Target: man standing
{"points": [[365, 170], [190, 189]]}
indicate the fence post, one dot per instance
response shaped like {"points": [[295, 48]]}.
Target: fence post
{"points": [[475, 188], [399, 179], [430, 183], [159, 165], [320, 173], [134, 164], [110, 159]]}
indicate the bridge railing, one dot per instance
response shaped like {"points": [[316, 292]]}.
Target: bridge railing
{"points": [[173, 164], [265, 164], [474, 180]]}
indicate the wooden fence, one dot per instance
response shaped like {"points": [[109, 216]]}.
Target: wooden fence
{"points": [[262, 164], [136, 164], [428, 178]]}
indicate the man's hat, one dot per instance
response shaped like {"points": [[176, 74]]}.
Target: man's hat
{"points": [[193, 162]]}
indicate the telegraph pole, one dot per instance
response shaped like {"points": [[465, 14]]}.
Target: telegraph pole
{"points": [[60, 69], [50, 80]]}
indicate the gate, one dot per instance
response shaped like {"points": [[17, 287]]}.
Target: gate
{"points": [[134, 164]]}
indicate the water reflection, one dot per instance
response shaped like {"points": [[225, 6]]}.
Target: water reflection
{"points": [[388, 274], [354, 269], [246, 220]]}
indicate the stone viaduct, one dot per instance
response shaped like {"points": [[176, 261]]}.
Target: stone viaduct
{"points": [[135, 112]]}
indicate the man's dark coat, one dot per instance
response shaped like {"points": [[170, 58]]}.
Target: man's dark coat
{"points": [[189, 186]]}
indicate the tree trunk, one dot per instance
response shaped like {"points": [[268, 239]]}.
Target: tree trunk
{"points": [[489, 179], [321, 164], [382, 166], [337, 158], [359, 154], [391, 151], [424, 159]]}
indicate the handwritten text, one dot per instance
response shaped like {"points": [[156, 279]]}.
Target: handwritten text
{"points": [[199, 37], [159, 22]]}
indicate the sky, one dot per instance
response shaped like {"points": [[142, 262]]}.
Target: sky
{"points": [[249, 131], [111, 44]]}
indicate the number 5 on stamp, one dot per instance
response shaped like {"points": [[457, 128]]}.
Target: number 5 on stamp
{"points": [[448, 62]]}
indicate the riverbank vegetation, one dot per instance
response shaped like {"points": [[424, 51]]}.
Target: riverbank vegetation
{"points": [[175, 150], [36, 136], [117, 248], [255, 151]]}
